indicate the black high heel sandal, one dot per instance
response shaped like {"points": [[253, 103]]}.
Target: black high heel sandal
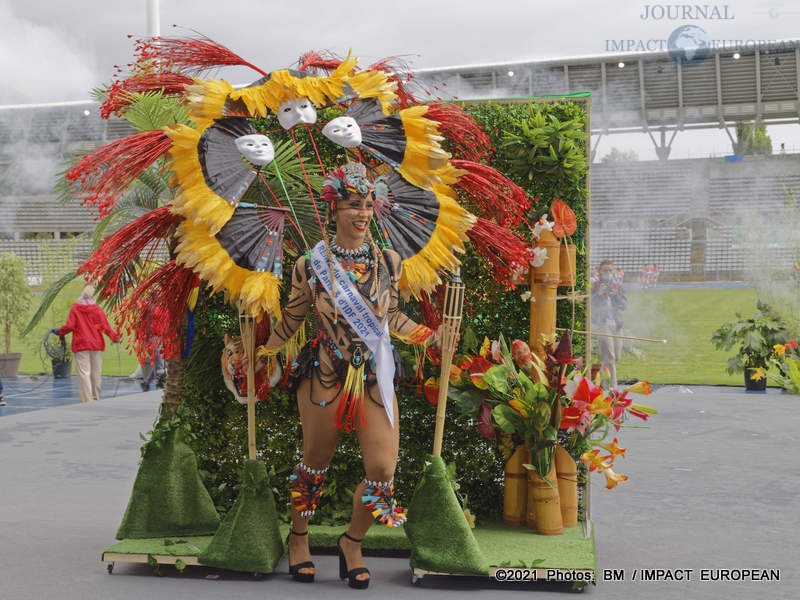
{"points": [[351, 575], [294, 570]]}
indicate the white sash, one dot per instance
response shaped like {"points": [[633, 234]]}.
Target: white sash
{"points": [[362, 319]]}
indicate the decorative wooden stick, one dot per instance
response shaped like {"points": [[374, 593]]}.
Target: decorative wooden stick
{"points": [[451, 321], [247, 329], [620, 337]]}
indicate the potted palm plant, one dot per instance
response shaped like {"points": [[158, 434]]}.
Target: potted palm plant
{"points": [[15, 298], [754, 338], [59, 354]]}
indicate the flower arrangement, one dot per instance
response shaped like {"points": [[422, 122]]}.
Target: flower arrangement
{"points": [[544, 402], [590, 416], [786, 362]]}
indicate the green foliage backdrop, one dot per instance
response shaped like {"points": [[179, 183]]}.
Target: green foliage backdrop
{"points": [[219, 422]]}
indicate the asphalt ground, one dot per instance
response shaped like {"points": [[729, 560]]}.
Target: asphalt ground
{"points": [[25, 393], [713, 492]]}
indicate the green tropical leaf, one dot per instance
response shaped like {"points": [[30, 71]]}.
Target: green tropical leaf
{"points": [[507, 419], [49, 296]]}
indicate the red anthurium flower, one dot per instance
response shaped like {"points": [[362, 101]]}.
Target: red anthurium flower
{"points": [[565, 221], [432, 390], [484, 424], [792, 344], [477, 367], [570, 417]]}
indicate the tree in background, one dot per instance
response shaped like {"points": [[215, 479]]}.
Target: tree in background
{"points": [[752, 139], [15, 295], [616, 155]]}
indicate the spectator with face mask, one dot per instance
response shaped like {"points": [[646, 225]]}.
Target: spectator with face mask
{"points": [[608, 302]]}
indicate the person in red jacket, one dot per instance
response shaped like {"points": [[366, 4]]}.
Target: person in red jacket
{"points": [[87, 323]]}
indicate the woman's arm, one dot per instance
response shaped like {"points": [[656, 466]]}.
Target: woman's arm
{"points": [[401, 325], [294, 313]]}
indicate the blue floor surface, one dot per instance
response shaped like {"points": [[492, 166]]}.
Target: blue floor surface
{"points": [[25, 393]]}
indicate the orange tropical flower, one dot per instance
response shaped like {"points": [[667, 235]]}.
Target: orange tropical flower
{"points": [[640, 387], [614, 479], [758, 374], [780, 349], [613, 448], [596, 462]]}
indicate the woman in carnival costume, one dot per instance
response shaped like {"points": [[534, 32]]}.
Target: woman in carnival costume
{"points": [[344, 377]]}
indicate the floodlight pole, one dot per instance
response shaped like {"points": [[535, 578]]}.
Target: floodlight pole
{"points": [[153, 19]]}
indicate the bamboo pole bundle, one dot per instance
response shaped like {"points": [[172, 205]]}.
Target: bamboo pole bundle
{"points": [[247, 329], [451, 321]]}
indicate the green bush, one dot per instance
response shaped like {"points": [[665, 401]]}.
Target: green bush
{"points": [[219, 425]]}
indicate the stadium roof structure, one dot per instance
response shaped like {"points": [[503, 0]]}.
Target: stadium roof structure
{"points": [[648, 91]]}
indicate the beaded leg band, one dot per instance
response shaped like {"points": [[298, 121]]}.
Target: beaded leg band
{"points": [[305, 487], [378, 498]]}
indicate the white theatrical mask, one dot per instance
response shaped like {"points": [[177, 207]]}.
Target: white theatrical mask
{"points": [[343, 131], [256, 148], [297, 110]]}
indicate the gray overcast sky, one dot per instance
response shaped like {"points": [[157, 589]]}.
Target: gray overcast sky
{"points": [[57, 51]]}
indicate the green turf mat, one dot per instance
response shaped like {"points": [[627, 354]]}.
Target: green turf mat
{"points": [[170, 546], [514, 546], [379, 539]]}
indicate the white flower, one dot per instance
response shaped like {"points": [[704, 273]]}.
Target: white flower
{"points": [[541, 225], [539, 257], [571, 386], [526, 296]]}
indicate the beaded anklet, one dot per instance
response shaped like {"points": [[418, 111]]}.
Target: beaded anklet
{"points": [[305, 487], [378, 498]]}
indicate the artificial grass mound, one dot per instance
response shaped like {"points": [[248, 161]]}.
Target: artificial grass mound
{"points": [[441, 540], [249, 538], [168, 497]]}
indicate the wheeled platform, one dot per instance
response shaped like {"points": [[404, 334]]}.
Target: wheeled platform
{"points": [[516, 554]]}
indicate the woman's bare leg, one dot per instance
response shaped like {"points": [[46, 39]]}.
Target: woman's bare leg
{"points": [[320, 436], [379, 443]]}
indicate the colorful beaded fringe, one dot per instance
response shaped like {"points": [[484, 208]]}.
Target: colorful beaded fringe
{"points": [[305, 487], [378, 498]]}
